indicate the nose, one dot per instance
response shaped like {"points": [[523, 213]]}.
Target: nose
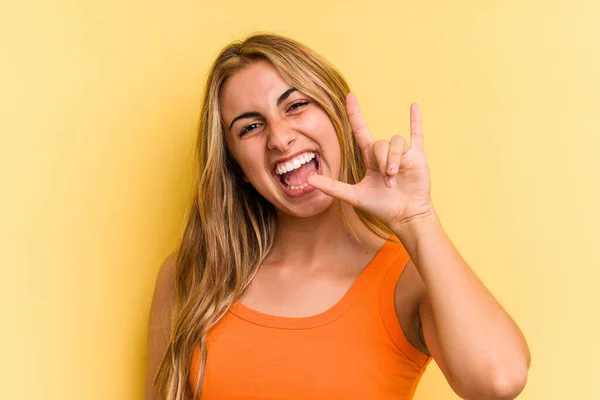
{"points": [[280, 136]]}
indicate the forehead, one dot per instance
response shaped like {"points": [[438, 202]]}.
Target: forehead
{"points": [[254, 87]]}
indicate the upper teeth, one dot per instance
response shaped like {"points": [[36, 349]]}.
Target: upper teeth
{"points": [[293, 164]]}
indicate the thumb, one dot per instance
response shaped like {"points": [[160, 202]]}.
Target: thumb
{"points": [[333, 188]]}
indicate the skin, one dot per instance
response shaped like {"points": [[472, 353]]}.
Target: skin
{"points": [[476, 344], [311, 237], [294, 125]]}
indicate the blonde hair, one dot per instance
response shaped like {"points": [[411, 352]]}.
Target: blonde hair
{"points": [[230, 227]]}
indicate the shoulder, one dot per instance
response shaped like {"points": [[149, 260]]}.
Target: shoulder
{"points": [[165, 278], [163, 297], [159, 321], [164, 291]]}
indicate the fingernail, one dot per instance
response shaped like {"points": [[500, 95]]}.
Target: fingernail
{"points": [[393, 168], [393, 181]]}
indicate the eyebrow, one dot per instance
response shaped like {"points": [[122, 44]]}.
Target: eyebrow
{"points": [[285, 95], [252, 114]]}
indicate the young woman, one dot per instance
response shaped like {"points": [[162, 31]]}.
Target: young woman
{"points": [[313, 264]]}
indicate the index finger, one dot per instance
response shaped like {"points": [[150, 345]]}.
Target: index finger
{"points": [[357, 123]]}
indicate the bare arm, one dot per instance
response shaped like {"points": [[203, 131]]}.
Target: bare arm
{"points": [[159, 324], [476, 344]]}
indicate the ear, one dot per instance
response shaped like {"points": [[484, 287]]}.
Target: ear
{"points": [[246, 179]]}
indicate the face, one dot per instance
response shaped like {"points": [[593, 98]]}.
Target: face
{"points": [[279, 136]]}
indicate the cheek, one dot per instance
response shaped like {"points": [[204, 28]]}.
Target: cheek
{"points": [[249, 157], [321, 130], [248, 164], [331, 145], [317, 122], [318, 126]]}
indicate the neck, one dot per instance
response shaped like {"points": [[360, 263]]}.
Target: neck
{"points": [[303, 241]]}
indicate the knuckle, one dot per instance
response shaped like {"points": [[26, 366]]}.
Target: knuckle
{"points": [[381, 144], [397, 139]]}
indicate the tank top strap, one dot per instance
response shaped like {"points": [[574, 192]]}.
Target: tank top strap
{"points": [[388, 313]]}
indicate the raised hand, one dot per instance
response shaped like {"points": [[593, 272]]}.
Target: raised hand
{"points": [[396, 188]]}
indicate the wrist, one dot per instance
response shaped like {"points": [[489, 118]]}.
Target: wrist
{"points": [[416, 225]]}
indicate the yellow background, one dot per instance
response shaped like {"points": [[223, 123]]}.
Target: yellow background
{"points": [[99, 103]]}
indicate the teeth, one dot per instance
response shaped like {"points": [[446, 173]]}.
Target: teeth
{"points": [[291, 165], [299, 187]]}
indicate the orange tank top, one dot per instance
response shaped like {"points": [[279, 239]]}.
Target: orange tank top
{"points": [[354, 350]]}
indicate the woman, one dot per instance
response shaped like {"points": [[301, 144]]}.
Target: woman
{"points": [[313, 264]]}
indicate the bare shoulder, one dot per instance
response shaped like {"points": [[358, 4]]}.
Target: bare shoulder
{"points": [[166, 274], [164, 293], [409, 292], [159, 322]]}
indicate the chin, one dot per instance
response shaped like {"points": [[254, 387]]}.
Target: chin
{"points": [[320, 204]]}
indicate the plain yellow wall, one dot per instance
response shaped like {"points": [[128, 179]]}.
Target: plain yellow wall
{"points": [[99, 103]]}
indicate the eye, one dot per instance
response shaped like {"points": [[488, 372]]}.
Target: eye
{"points": [[249, 128], [297, 105]]}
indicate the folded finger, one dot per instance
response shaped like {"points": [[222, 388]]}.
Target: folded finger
{"points": [[381, 149], [397, 146]]}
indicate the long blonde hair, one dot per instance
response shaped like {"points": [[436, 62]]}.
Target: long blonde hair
{"points": [[230, 227]]}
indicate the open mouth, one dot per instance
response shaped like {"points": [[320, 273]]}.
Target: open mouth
{"points": [[294, 173]]}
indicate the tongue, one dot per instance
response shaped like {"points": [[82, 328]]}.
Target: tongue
{"points": [[298, 176]]}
